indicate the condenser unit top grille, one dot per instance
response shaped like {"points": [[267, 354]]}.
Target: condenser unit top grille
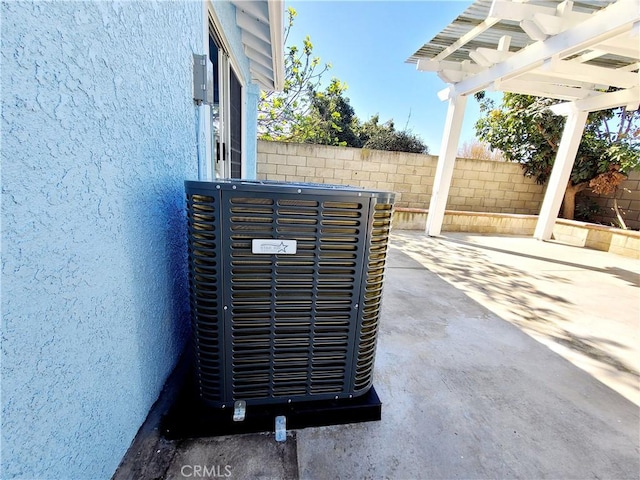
{"points": [[294, 273]]}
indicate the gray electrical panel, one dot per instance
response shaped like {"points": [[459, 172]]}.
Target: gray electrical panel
{"points": [[202, 79]]}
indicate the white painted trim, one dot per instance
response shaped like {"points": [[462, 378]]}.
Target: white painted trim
{"points": [[276, 19], [225, 113], [228, 62], [560, 174], [226, 46], [243, 129], [206, 161]]}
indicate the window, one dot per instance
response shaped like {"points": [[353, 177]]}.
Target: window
{"points": [[226, 110]]}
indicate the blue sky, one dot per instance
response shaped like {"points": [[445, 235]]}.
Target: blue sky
{"points": [[368, 42]]}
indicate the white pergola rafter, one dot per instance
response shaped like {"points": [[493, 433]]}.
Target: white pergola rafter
{"points": [[561, 51]]}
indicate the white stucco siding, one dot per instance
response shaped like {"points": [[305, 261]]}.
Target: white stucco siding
{"points": [[98, 135]]}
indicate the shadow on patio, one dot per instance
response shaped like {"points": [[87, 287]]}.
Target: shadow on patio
{"points": [[580, 303]]}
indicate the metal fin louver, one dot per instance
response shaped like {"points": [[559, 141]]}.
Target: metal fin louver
{"points": [[282, 326]]}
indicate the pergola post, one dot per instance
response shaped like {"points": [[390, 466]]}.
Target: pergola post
{"points": [[446, 162], [565, 158]]}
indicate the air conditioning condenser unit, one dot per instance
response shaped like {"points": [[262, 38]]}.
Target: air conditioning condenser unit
{"points": [[285, 289]]}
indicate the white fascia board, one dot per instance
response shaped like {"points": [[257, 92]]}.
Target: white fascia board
{"points": [[428, 65], [276, 21], [606, 23]]}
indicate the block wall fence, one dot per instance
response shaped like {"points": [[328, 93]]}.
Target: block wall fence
{"points": [[477, 185]]}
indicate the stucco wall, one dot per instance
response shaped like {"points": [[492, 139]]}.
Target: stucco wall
{"points": [[98, 135], [477, 185]]}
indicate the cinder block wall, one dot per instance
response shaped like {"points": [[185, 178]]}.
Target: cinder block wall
{"points": [[628, 196], [478, 185]]}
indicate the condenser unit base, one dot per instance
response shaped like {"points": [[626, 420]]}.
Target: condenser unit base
{"points": [[189, 417]]}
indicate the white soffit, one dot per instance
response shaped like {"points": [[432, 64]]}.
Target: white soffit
{"points": [[262, 23], [569, 50]]}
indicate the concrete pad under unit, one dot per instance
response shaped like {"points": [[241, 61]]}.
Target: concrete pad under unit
{"points": [[498, 357]]}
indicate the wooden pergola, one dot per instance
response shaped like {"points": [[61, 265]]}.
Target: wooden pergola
{"points": [[574, 51]]}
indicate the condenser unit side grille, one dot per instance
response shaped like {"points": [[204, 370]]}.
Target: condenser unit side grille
{"points": [[372, 295], [204, 282]]}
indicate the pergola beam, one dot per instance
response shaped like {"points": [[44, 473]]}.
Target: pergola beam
{"points": [[543, 89], [589, 73], [597, 28], [539, 68], [629, 98]]}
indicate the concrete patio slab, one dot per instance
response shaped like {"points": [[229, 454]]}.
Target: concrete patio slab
{"points": [[468, 392], [581, 303]]}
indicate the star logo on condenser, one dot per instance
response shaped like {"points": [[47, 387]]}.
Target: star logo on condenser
{"points": [[282, 248]]}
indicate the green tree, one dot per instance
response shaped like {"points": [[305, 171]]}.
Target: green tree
{"points": [[527, 132], [282, 116], [384, 136], [305, 113], [331, 119]]}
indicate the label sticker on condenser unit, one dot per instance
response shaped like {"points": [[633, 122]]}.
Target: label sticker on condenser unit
{"points": [[271, 246]]}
